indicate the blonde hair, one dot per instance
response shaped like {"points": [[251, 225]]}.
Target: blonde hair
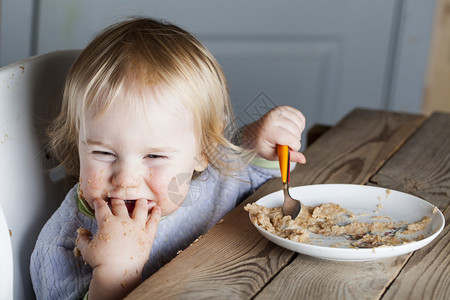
{"points": [[150, 52]]}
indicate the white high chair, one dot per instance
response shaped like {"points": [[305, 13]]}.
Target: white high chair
{"points": [[30, 190], [6, 260]]}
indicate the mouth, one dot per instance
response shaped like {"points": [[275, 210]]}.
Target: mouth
{"points": [[130, 205]]}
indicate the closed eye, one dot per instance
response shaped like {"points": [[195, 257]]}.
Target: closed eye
{"points": [[103, 154], [155, 156]]}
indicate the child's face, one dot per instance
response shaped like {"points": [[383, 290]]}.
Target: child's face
{"points": [[131, 153]]}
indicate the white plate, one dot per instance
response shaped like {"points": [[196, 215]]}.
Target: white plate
{"points": [[358, 198]]}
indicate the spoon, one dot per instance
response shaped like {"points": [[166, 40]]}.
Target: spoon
{"points": [[291, 206]]}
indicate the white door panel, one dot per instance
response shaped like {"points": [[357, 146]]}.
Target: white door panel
{"points": [[266, 72], [323, 57]]}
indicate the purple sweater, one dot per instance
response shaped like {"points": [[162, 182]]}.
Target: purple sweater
{"points": [[57, 274]]}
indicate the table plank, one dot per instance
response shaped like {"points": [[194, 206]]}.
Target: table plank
{"points": [[425, 160], [233, 259], [422, 167], [311, 278], [356, 147], [427, 273]]}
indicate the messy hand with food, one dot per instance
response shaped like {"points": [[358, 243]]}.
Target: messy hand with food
{"points": [[119, 250], [282, 125]]}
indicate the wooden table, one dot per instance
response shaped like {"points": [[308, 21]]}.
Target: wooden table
{"points": [[405, 152]]}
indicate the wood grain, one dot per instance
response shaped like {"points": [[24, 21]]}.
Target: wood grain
{"points": [[353, 150], [427, 273], [311, 278], [422, 167], [423, 158], [233, 261]]}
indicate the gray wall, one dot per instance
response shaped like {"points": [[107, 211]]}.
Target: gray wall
{"points": [[323, 57]]}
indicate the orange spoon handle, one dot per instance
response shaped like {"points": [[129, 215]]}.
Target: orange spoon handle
{"points": [[283, 159]]}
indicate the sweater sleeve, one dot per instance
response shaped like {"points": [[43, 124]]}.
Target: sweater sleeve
{"points": [[56, 273], [257, 173], [227, 191]]}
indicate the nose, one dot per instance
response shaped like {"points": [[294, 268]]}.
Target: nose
{"points": [[125, 176]]}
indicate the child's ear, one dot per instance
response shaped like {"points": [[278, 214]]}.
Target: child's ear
{"points": [[201, 162]]}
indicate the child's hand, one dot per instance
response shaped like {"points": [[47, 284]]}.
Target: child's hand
{"points": [[282, 125], [119, 250]]}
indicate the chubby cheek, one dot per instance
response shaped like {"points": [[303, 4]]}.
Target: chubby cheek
{"points": [[92, 185], [170, 189]]}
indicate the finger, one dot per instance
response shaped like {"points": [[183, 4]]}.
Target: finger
{"points": [[286, 120], [288, 126], [300, 116], [102, 210], [82, 242], [118, 207], [292, 114], [153, 221], [285, 137], [141, 209], [297, 157]]}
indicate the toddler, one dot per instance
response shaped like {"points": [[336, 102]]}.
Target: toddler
{"points": [[145, 125]]}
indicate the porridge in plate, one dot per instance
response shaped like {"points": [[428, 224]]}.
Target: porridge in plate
{"points": [[343, 228]]}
